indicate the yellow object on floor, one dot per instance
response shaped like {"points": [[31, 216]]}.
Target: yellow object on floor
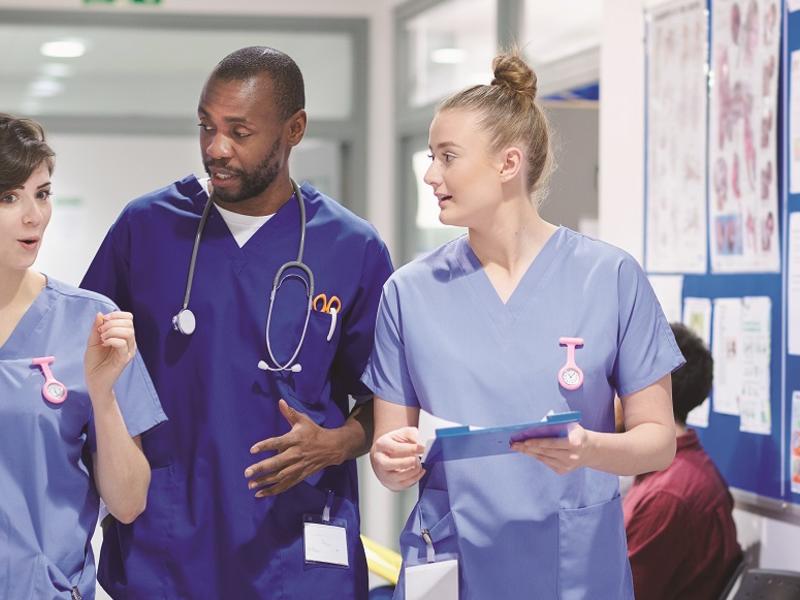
{"points": [[381, 560]]}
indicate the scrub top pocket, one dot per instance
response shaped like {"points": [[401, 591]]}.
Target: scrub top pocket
{"points": [[315, 357], [432, 512], [585, 575]]}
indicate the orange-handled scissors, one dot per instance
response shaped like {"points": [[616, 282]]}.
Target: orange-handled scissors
{"points": [[322, 304]]}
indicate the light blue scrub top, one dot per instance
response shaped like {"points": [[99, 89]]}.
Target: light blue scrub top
{"points": [[446, 343], [48, 499]]}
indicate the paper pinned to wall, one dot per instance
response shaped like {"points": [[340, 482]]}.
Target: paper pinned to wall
{"points": [[794, 120], [726, 350], [794, 445], [741, 349], [743, 117], [793, 285], [754, 406], [669, 290], [676, 137], [697, 317]]}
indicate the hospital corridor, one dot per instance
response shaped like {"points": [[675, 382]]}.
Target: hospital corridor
{"points": [[400, 299]]}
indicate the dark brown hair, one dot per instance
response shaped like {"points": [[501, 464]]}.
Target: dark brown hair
{"points": [[22, 150], [510, 114], [691, 384]]}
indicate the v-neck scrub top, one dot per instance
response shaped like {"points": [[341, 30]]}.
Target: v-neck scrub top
{"points": [[447, 344], [204, 534], [48, 498]]}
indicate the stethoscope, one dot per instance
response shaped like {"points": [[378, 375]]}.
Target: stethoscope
{"points": [[185, 322]]}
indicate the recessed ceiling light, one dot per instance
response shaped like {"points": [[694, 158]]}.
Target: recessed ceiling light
{"points": [[448, 56], [44, 88], [63, 49]]}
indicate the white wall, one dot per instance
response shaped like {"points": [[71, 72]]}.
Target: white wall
{"points": [[621, 203]]}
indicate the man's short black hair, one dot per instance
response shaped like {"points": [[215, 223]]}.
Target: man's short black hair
{"points": [[287, 80], [691, 384]]}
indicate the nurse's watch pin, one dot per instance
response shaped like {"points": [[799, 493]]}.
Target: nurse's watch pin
{"points": [[53, 390], [570, 377]]}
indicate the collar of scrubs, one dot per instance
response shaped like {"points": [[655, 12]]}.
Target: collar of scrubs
{"points": [[242, 226], [534, 278], [29, 326]]}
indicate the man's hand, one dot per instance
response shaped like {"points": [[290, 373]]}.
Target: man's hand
{"points": [[301, 452]]}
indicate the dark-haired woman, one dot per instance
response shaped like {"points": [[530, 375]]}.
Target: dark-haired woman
{"points": [[516, 319], [74, 396]]}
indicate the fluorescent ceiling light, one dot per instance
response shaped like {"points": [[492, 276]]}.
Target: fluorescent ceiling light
{"points": [[57, 70], [44, 88], [63, 49], [448, 56]]}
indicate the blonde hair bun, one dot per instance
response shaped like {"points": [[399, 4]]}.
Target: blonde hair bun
{"points": [[512, 72]]}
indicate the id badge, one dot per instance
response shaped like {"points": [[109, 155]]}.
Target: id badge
{"points": [[433, 581], [436, 579], [325, 539]]}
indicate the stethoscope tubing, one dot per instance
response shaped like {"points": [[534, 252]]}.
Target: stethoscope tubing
{"points": [[276, 284]]}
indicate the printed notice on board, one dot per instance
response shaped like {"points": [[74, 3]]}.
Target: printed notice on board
{"points": [[741, 349], [793, 287], [754, 407], [794, 118], [795, 443], [697, 317], [727, 351]]}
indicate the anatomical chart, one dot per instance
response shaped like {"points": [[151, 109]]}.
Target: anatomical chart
{"points": [[677, 37], [743, 136]]}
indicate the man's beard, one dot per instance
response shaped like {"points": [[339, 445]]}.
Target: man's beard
{"points": [[252, 183]]}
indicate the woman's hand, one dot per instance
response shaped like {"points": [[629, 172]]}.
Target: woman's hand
{"points": [[395, 458], [111, 346], [562, 455]]}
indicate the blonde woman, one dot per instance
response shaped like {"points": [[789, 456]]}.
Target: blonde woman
{"points": [[518, 318]]}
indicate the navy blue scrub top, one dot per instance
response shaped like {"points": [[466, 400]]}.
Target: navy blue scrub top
{"points": [[204, 534], [48, 499]]}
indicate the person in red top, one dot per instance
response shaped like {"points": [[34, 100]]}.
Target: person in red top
{"points": [[679, 522]]}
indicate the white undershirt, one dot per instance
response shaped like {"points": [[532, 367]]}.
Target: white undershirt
{"points": [[242, 227]]}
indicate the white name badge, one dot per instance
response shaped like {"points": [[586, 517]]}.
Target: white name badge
{"points": [[432, 581], [325, 543]]}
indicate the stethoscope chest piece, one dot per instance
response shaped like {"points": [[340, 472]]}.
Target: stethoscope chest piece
{"points": [[184, 322], [570, 376]]}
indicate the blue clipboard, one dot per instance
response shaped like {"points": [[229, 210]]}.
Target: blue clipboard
{"points": [[456, 443]]}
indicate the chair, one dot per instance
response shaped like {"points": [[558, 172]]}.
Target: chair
{"points": [[767, 584]]}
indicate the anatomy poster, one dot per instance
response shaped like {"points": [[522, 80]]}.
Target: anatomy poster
{"points": [[743, 174], [676, 138]]}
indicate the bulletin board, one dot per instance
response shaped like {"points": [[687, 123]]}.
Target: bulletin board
{"points": [[742, 272]]}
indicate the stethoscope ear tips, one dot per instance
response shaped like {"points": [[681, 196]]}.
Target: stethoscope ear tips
{"points": [[295, 368]]}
